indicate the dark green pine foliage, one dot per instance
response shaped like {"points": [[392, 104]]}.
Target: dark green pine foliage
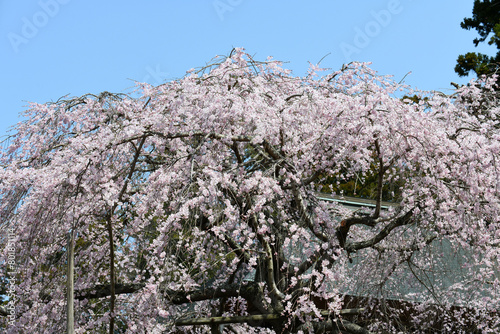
{"points": [[486, 21]]}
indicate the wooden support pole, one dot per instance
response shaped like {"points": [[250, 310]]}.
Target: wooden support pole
{"points": [[70, 322], [251, 318]]}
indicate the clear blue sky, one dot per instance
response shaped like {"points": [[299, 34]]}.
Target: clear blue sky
{"points": [[51, 48]]}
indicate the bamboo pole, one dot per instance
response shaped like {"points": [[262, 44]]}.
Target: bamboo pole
{"points": [[252, 318], [70, 321]]}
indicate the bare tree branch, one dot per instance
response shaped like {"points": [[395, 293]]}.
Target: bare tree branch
{"points": [[103, 290], [306, 215], [403, 220], [252, 292]]}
